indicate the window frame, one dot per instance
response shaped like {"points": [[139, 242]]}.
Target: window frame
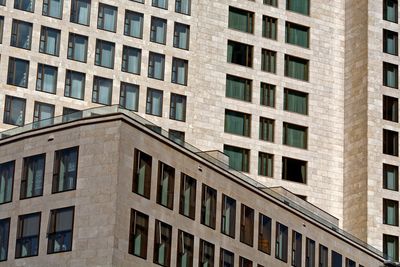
{"points": [[58, 155], [147, 176], [8, 109], [44, 41], [52, 231], [19, 233], [133, 227]]}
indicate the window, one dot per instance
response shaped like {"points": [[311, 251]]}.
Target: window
{"points": [[298, 6], [391, 247], [18, 72], [310, 253], [52, 8], [323, 256], [50, 41], [390, 212], [237, 123], [28, 235], [158, 33], [156, 66], [46, 78], [238, 88], [295, 101], [60, 230], [165, 187], [129, 96], [183, 6], [268, 60], [181, 36], [6, 183], [390, 142], [1, 28], [296, 248], [390, 10], [21, 34], [336, 259], [350, 263], [265, 164], [267, 94], [179, 71], [107, 18], [65, 169], [104, 54], [271, 2], [133, 24], [160, 3], [187, 203], [26, 5], [162, 243], [154, 102], [246, 225], [2, 2], [178, 107], [390, 108], [185, 249], [296, 68], [227, 258], [228, 216], [4, 236], [390, 42], [206, 254], [243, 262], [266, 129], [297, 34], [43, 115], [14, 111], [77, 47], [131, 58], [269, 27], [32, 176], [176, 136], [102, 90], [138, 234], [281, 245], [142, 174], [390, 75], [239, 53], [264, 233], [390, 177], [80, 12], [294, 135], [238, 157], [241, 20], [294, 170], [70, 114], [208, 206], [74, 84]]}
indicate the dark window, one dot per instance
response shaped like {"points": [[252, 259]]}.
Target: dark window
{"points": [[390, 142], [107, 18], [295, 135], [156, 66], [80, 12], [336, 259], [160, 3], [264, 233], [131, 58], [296, 68], [241, 20], [50, 41], [295, 101], [176, 136], [162, 243], [158, 30], [267, 94], [238, 88], [60, 230], [183, 6], [21, 34], [26, 5], [310, 253], [43, 115], [206, 254], [129, 96], [297, 240], [271, 2], [298, 6], [265, 164], [246, 225], [239, 53], [46, 78], [237, 123], [390, 10], [268, 60], [1, 27], [18, 72], [32, 176], [208, 206], [53, 8], [166, 183], [390, 212], [238, 157], [390, 177], [75, 84], [391, 247], [281, 246], [65, 169], [179, 71], [269, 27], [4, 236], [390, 75], [294, 170], [350, 263], [243, 262], [228, 216], [227, 258], [187, 206], [181, 36], [154, 102], [142, 174], [390, 108], [104, 54], [70, 114], [14, 110], [102, 90], [27, 243], [6, 182], [266, 129], [390, 42], [133, 24], [323, 256], [77, 47], [297, 34], [177, 107], [185, 249], [138, 234]]}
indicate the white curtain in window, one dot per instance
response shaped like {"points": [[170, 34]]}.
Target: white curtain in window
{"points": [[77, 81], [133, 57], [159, 30], [391, 214], [158, 67], [136, 22], [180, 72], [109, 18], [104, 92], [80, 48], [156, 107], [55, 8], [49, 80], [107, 56], [164, 189], [46, 112], [131, 96], [391, 179], [185, 6], [52, 42], [83, 10], [180, 108], [182, 36]]}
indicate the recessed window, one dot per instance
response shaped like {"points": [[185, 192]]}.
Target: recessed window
{"points": [[336, 259], [165, 186], [74, 84], [206, 254], [70, 114], [239, 53], [102, 90], [43, 115], [138, 234], [390, 75], [6, 183], [2, 2], [295, 135], [390, 42], [80, 12], [1, 28], [27, 243], [390, 212], [238, 157], [162, 243], [158, 32], [208, 206], [14, 111], [268, 61], [181, 36], [295, 101], [50, 41], [21, 34], [228, 216], [133, 24], [297, 240], [297, 34], [160, 3], [298, 6], [390, 177], [267, 94], [187, 203], [269, 27], [266, 130], [53, 8], [77, 47], [310, 253], [5, 233], [179, 71], [18, 72], [183, 6], [107, 18], [131, 58], [176, 136], [241, 20], [65, 169], [142, 174], [104, 54], [294, 170], [46, 78], [281, 245], [25, 5], [238, 88], [129, 96], [350, 263], [264, 233], [156, 66], [271, 2], [177, 107], [237, 123], [391, 247], [32, 176], [390, 108], [296, 67], [390, 142], [154, 102], [243, 262], [185, 249], [323, 256], [265, 164], [390, 10], [246, 225], [61, 226], [227, 258]]}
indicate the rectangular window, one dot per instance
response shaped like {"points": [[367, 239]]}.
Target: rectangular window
{"points": [[142, 174], [131, 58], [294, 170], [390, 108], [14, 111], [264, 233], [336, 259], [266, 129], [227, 258], [107, 17], [102, 90], [239, 53], [238, 88], [158, 32], [391, 247], [295, 135], [281, 245], [43, 115], [390, 42], [238, 157], [269, 27], [52, 8], [162, 243], [297, 240], [6, 183], [390, 212], [160, 3], [297, 34], [25, 5], [18, 72], [183, 6], [138, 234], [32, 176], [243, 262], [165, 187], [50, 41], [208, 206], [237, 123], [390, 75], [323, 256], [154, 102], [390, 142], [77, 47], [133, 24], [185, 249], [80, 12], [2, 2], [228, 216], [65, 169], [310, 253], [179, 71], [241, 20], [129, 96], [206, 254], [187, 203], [74, 84], [70, 114], [267, 94], [265, 164], [246, 225], [271, 2], [390, 177], [181, 36], [4, 236], [104, 54], [268, 60], [390, 10], [176, 136], [21, 34], [298, 6], [178, 107], [46, 78], [156, 66], [27, 243], [60, 230], [295, 101], [1, 28], [350, 263], [296, 68]]}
